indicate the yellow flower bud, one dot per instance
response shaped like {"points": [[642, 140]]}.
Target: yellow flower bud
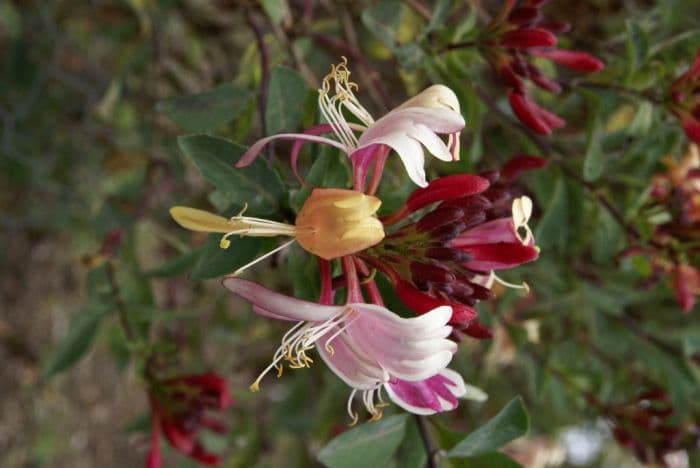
{"points": [[337, 222]]}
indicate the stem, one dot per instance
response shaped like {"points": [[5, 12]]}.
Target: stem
{"points": [[265, 64], [617, 88], [121, 305], [430, 449]]}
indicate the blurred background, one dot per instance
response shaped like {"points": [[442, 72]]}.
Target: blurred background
{"points": [[90, 165]]}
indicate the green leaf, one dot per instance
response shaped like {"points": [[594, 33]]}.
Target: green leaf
{"points": [[175, 266], [303, 271], [258, 185], [382, 20], [276, 10], [205, 111], [594, 161], [552, 227], [77, 342], [214, 261], [411, 453], [328, 170], [509, 424], [285, 100], [139, 423], [491, 460], [369, 444], [438, 17], [637, 46]]}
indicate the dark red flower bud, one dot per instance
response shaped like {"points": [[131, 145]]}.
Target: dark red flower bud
{"points": [[537, 119], [525, 15], [556, 27], [543, 81], [439, 217], [519, 164], [444, 188], [576, 60], [421, 302], [423, 273], [448, 232], [653, 394], [478, 331], [448, 254], [528, 37]]}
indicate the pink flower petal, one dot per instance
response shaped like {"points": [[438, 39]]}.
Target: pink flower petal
{"points": [[432, 395], [254, 150], [279, 304]]}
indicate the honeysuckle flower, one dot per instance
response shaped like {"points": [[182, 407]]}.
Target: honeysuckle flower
{"points": [[407, 129], [514, 36], [178, 411], [369, 347], [330, 224], [685, 100]]}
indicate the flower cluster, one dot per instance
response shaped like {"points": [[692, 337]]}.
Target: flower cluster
{"points": [[511, 40], [643, 426], [676, 218], [447, 257], [179, 411], [685, 100]]}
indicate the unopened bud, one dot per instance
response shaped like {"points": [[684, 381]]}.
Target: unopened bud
{"points": [[438, 218], [423, 273], [337, 222]]}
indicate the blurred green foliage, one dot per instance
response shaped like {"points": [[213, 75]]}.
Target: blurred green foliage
{"points": [[114, 111]]}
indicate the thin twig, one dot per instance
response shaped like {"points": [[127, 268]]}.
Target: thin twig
{"points": [[430, 449], [121, 305], [265, 65]]}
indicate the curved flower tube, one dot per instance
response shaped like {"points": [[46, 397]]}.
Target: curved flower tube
{"points": [[407, 129], [367, 346]]}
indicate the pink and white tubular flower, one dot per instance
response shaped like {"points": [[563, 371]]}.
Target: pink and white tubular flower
{"points": [[367, 346], [407, 129]]}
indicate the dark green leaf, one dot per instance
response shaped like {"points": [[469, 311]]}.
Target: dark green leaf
{"points": [[139, 423], [285, 100], [327, 170], [594, 161], [303, 271], [77, 341], [382, 20], [369, 444], [205, 111], [175, 266], [637, 46], [509, 424], [551, 228], [276, 10], [258, 185], [214, 261], [411, 453]]}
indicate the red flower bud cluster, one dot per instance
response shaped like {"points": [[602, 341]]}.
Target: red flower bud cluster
{"points": [[517, 34], [676, 195], [685, 100], [179, 409], [643, 426], [445, 256]]}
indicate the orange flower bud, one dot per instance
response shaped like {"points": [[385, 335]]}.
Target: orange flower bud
{"points": [[337, 222]]}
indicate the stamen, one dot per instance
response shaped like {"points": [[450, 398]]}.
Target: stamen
{"points": [[355, 417], [522, 210], [494, 277], [261, 258], [331, 107]]}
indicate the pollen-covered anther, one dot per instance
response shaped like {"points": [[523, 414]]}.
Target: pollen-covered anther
{"points": [[337, 222], [522, 211]]}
